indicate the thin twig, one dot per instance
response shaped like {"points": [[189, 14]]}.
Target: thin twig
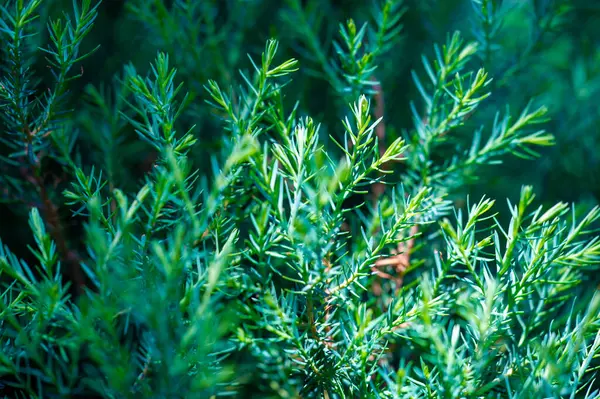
{"points": [[33, 174], [144, 373], [378, 187], [401, 260]]}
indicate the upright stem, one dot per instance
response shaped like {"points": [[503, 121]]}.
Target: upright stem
{"points": [[400, 262], [378, 187]]}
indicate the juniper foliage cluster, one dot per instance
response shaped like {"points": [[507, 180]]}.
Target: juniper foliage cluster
{"points": [[315, 254]]}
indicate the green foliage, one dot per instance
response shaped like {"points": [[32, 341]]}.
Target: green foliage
{"points": [[318, 256]]}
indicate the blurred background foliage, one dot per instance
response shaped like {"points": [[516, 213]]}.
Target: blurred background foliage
{"points": [[545, 50]]}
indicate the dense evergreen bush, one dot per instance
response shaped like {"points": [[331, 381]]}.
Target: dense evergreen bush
{"points": [[301, 228]]}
